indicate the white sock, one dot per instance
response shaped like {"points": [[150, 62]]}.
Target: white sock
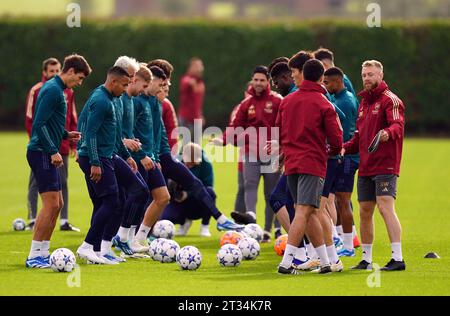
{"points": [[300, 254], [45, 250], [123, 233], [397, 251], [252, 214], [311, 252], [204, 227], [335, 233], [289, 254], [367, 252], [340, 230], [105, 247], [87, 246], [323, 256], [332, 254], [35, 251], [348, 241], [63, 221], [132, 232], [222, 219], [142, 233]]}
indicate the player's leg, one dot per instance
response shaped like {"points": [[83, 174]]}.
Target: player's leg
{"points": [[32, 198], [367, 202], [278, 202], [270, 182], [64, 216], [178, 172], [239, 203], [386, 190], [252, 175]]}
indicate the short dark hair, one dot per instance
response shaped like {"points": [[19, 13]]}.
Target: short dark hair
{"points": [[334, 71], [299, 59], [50, 61], [78, 63], [163, 64], [118, 71], [277, 60], [313, 70], [261, 70], [279, 69], [324, 53], [158, 72]]}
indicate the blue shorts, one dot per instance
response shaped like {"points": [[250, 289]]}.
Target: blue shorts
{"points": [[332, 167], [108, 182], [47, 176], [131, 182], [153, 177], [345, 176]]}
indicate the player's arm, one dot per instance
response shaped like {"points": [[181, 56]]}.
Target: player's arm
{"points": [[333, 131], [46, 105], [239, 120], [73, 121], [395, 115]]}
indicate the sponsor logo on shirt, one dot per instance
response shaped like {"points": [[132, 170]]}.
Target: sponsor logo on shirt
{"points": [[376, 108], [251, 112], [268, 108]]}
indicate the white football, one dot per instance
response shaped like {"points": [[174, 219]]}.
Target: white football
{"points": [[249, 247], [154, 250], [189, 258], [229, 255], [163, 229], [255, 231], [62, 260], [19, 224], [166, 251]]}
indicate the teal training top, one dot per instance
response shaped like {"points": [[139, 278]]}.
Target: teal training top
{"points": [[128, 116], [49, 122], [120, 148], [143, 127], [100, 130]]}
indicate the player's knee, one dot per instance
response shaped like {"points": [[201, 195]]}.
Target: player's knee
{"points": [[163, 199]]}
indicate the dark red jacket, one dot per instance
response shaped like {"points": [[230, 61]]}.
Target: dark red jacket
{"points": [[308, 121], [241, 149], [71, 117], [254, 112], [379, 109], [191, 99], [170, 123]]}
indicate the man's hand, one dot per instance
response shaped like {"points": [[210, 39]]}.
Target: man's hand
{"points": [[132, 144], [272, 147], [57, 160], [342, 152], [158, 165], [132, 164], [147, 163], [216, 141], [384, 136], [182, 198], [74, 136], [96, 173]]}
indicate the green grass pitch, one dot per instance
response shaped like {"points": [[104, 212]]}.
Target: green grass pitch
{"points": [[423, 206]]}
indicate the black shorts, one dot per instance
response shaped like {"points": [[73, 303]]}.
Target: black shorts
{"points": [[306, 189], [47, 176], [345, 176], [371, 187], [332, 168]]}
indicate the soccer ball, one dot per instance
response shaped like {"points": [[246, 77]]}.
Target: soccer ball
{"points": [[163, 229], [166, 251], [229, 255], [154, 250], [280, 244], [249, 247], [19, 224], [189, 258], [255, 231], [230, 237], [62, 260]]}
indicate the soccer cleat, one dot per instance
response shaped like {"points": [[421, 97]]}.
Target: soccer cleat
{"points": [[307, 265], [394, 266], [46, 259], [277, 233], [356, 242], [322, 270], [266, 237], [139, 246], [89, 255], [69, 227], [337, 267], [136, 255], [229, 225], [30, 225], [117, 258], [289, 270], [204, 231], [362, 265], [110, 259], [344, 252], [122, 245], [338, 243], [37, 263], [183, 229], [243, 218]]}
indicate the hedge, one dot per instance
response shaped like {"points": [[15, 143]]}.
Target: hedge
{"points": [[415, 56]]}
